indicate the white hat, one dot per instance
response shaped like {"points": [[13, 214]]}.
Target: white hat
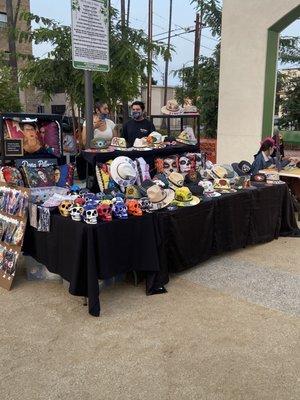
{"points": [[172, 108], [141, 144], [159, 197], [122, 171]]}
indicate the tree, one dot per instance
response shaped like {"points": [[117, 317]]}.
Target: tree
{"points": [[211, 14], [290, 102], [9, 98], [127, 60], [289, 50]]}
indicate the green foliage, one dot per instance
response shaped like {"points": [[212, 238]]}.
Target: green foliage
{"points": [[128, 49], [212, 14], [201, 85], [290, 102], [289, 50], [9, 96]]}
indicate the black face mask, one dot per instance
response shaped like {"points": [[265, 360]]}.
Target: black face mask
{"points": [[136, 114]]}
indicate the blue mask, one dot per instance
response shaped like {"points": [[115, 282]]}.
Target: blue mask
{"points": [[103, 116], [136, 114]]}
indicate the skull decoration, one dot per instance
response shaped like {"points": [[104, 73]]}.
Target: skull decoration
{"points": [[89, 198], [144, 204], [119, 209], [170, 165], [198, 161], [90, 214], [134, 208], [185, 164], [207, 186], [76, 212], [80, 201], [64, 207], [105, 211]]}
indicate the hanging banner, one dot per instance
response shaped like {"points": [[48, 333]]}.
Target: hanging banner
{"points": [[90, 35]]}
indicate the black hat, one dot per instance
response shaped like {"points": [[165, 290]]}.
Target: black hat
{"points": [[193, 177], [195, 189], [242, 168]]}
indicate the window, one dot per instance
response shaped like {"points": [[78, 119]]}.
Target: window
{"points": [[3, 20], [58, 109], [41, 109]]}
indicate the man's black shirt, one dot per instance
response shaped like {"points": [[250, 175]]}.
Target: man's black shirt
{"points": [[136, 130]]}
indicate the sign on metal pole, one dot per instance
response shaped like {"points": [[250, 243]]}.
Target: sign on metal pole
{"points": [[90, 35]]}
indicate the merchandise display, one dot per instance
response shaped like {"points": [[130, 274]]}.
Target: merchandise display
{"points": [[172, 108], [187, 136]]}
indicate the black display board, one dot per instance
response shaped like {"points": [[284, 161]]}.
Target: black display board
{"points": [[13, 147]]}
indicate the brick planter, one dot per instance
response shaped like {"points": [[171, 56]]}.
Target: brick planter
{"points": [[209, 146]]}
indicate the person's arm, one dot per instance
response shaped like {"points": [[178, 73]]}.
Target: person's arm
{"points": [[83, 135]]}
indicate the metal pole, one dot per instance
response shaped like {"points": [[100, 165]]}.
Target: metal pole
{"points": [[88, 89], [167, 60], [150, 34]]}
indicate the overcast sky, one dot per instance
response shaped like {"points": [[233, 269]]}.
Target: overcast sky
{"points": [[183, 16]]}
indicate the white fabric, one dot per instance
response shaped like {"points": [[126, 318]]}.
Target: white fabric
{"points": [[107, 134]]}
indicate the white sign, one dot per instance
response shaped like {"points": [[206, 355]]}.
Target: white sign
{"points": [[90, 37]]}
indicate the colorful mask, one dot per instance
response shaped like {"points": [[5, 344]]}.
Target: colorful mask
{"points": [[134, 208], [170, 165], [90, 214], [185, 164], [76, 212], [64, 207], [105, 211], [119, 209]]}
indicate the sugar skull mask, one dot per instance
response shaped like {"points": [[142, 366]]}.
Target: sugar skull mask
{"points": [[170, 165], [185, 164], [64, 208]]}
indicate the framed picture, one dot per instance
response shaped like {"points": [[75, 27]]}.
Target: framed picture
{"points": [[13, 147]]}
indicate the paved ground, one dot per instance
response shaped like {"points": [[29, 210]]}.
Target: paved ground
{"points": [[227, 330]]}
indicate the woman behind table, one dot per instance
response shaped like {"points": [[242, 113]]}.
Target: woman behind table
{"points": [[104, 127], [263, 158]]}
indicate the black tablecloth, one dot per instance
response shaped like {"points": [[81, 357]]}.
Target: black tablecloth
{"points": [[162, 242]]}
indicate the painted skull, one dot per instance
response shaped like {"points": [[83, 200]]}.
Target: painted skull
{"points": [[64, 207], [144, 204], [105, 211], [76, 212], [185, 164], [119, 209], [207, 186], [134, 208], [90, 214], [198, 161], [80, 201], [170, 165]]}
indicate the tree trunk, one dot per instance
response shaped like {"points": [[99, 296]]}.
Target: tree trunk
{"points": [[123, 25], [12, 42]]}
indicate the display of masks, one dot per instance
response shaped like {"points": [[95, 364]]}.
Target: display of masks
{"points": [[11, 230], [8, 260], [13, 201]]}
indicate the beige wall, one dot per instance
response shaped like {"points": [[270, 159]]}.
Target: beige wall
{"points": [[242, 77]]}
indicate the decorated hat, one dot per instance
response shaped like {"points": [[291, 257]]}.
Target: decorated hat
{"points": [[209, 189], [99, 143], [161, 180], [176, 180], [133, 192], [159, 197], [118, 143], [192, 177], [242, 168], [187, 136], [189, 108], [156, 139], [141, 144], [196, 189], [145, 186], [172, 108], [123, 171], [230, 171], [219, 171], [221, 184], [184, 197]]}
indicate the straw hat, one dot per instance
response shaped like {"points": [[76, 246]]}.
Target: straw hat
{"points": [[141, 144], [184, 198], [118, 143], [123, 171], [175, 180], [172, 108], [187, 136], [159, 197]]}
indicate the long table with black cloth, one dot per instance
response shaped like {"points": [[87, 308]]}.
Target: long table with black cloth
{"points": [[160, 242]]}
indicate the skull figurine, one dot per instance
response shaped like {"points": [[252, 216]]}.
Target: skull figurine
{"points": [[185, 164], [80, 201], [134, 208], [105, 210], [90, 214], [144, 204], [76, 212], [170, 165], [64, 207], [119, 209], [207, 186]]}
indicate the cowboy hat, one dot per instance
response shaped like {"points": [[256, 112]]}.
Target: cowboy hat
{"points": [[175, 180], [187, 136], [184, 198], [159, 197], [172, 108], [141, 144], [123, 171], [118, 143]]}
